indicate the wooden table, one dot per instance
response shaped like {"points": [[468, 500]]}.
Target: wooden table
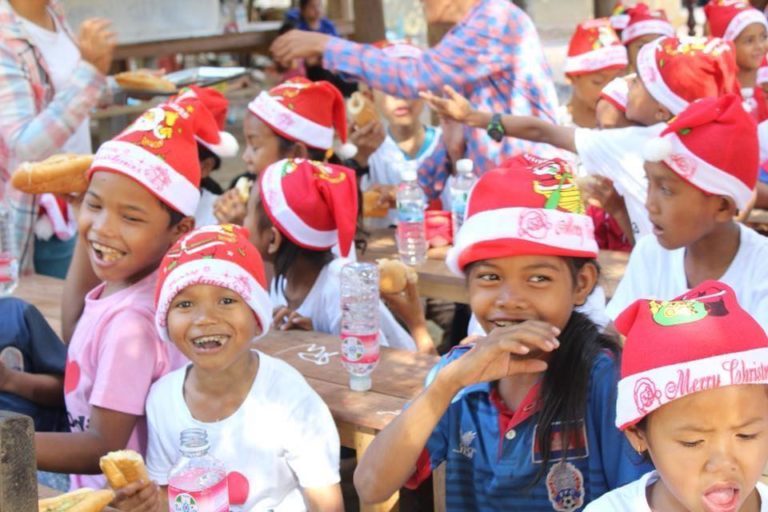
{"points": [[758, 220], [437, 282]]}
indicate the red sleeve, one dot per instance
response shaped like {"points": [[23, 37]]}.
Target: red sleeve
{"points": [[423, 470]]}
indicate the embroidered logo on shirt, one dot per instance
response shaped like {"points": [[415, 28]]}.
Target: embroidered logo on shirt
{"points": [[565, 486], [467, 438], [576, 447]]}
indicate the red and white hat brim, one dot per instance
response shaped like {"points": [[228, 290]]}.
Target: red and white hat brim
{"points": [[227, 147], [701, 174], [644, 392], [285, 218], [762, 75], [741, 21], [215, 272], [619, 21], [608, 57], [288, 122], [539, 230], [616, 93], [653, 80], [156, 175], [645, 28]]}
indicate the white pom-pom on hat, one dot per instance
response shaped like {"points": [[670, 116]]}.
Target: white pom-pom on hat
{"points": [[657, 149], [227, 146], [347, 151]]}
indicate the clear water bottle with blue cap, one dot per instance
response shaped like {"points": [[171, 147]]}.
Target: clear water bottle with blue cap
{"points": [[411, 203]]}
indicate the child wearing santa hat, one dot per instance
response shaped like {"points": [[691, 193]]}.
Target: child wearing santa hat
{"points": [[643, 26], [693, 398], [611, 108], [695, 188], [523, 418], [738, 21], [672, 72], [273, 433], [141, 197], [299, 210]]}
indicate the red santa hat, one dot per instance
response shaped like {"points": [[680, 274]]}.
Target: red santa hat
{"points": [[217, 104], [307, 112], [762, 72], [529, 205], [727, 18], [676, 71], [699, 341], [594, 47], [399, 49], [619, 17], [159, 151], [616, 93], [218, 255], [312, 203], [725, 168], [644, 21]]}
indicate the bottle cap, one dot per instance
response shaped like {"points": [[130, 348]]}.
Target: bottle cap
{"points": [[464, 165], [359, 382]]}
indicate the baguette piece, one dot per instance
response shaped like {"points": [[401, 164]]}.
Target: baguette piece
{"points": [[243, 187], [58, 174], [361, 109], [123, 467], [143, 81], [81, 500]]}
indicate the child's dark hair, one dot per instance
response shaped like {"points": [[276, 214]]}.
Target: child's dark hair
{"points": [[285, 146], [176, 216], [203, 153]]}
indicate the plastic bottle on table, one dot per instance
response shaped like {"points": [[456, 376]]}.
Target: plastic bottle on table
{"points": [[9, 264], [360, 322], [198, 481], [411, 203], [461, 185]]}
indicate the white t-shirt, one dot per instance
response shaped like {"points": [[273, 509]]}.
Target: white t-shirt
{"points": [[280, 439], [618, 154], [323, 305], [204, 214], [61, 54], [657, 273], [632, 497]]}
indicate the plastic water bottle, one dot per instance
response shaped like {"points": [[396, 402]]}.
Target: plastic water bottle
{"points": [[411, 203], [461, 185], [360, 322], [198, 481], [9, 264]]}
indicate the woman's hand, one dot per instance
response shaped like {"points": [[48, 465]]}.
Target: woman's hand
{"points": [[97, 43], [453, 106]]}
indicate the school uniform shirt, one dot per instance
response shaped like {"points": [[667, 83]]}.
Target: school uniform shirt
{"points": [[632, 497], [323, 306], [114, 357], [204, 214], [618, 154], [281, 438], [491, 455], [655, 272]]}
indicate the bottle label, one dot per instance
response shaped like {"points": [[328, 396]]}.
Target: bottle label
{"points": [[360, 353], [410, 212], [211, 499]]}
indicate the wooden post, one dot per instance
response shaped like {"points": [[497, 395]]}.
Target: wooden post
{"points": [[690, 5], [18, 470], [369, 21]]}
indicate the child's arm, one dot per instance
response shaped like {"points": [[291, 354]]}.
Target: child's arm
{"points": [[80, 280], [42, 389], [324, 499], [407, 307], [391, 459], [79, 452], [455, 106]]}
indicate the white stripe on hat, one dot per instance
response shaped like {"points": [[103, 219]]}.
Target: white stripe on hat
{"points": [[216, 272], [644, 392], [740, 22], [554, 228], [649, 73], [289, 122], [646, 27], [595, 60], [274, 199], [155, 174]]}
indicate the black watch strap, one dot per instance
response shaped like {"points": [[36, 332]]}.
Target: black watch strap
{"points": [[495, 128]]}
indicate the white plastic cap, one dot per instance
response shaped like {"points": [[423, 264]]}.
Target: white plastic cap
{"points": [[464, 165], [359, 382], [409, 172]]}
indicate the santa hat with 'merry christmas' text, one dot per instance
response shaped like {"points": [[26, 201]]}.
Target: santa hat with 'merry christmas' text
{"points": [[677, 71], [159, 151], [218, 255], [727, 18], [699, 341], [712, 145], [217, 104], [307, 112], [644, 21], [594, 47], [616, 93], [528, 205], [314, 204]]}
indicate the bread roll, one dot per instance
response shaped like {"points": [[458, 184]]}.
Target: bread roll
{"points": [[361, 109], [59, 174], [394, 275], [123, 467], [243, 187], [371, 206], [438, 253], [143, 81], [81, 500]]}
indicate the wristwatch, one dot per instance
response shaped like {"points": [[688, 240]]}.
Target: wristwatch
{"points": [[495, 129]]}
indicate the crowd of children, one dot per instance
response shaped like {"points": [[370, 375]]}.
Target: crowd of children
{"points": [[655, 401]]}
